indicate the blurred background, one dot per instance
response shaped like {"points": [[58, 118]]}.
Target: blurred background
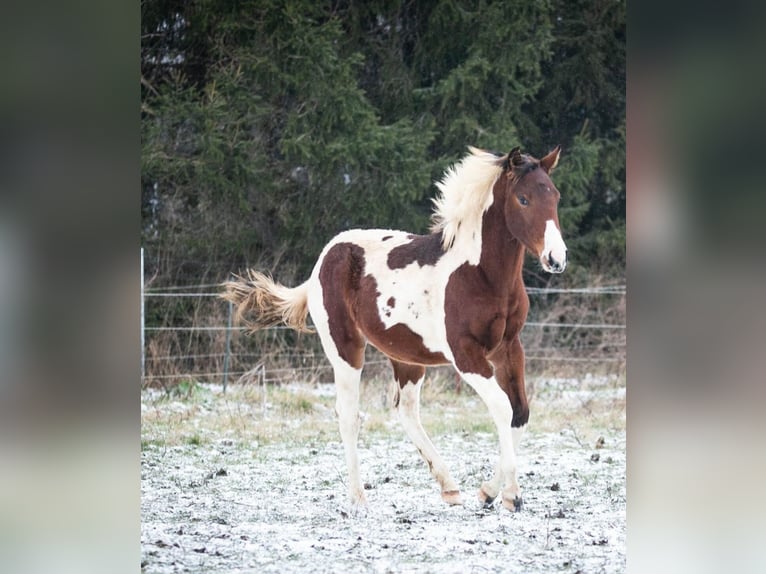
{"points": [[75, 149], [696, 315]]}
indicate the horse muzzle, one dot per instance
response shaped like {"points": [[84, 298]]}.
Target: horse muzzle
{"points": [[554, 255], [553, 265]]}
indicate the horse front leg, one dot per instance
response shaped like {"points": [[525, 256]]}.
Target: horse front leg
{"points": [[516, 390], [508, 361], [489, 489], [500, 411]]}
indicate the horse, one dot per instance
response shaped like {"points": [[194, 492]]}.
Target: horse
{"points": [[454, 296]]}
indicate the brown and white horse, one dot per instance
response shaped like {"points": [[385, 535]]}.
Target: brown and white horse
{"points": [[455, 296]]}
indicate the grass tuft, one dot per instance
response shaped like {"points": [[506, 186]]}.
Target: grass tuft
{"points": [[588, 407]]}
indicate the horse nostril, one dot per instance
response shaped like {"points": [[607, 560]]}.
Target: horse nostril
{"points": [[551, 262]]}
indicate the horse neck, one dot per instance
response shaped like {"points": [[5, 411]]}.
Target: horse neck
{"points": [[502, 255]]}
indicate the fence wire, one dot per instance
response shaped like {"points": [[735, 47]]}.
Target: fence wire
{"points": [[270, 363]]}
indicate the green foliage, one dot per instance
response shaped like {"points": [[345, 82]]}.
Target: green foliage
{"points": [[496, 51], [269, 126], [185, 389], [574, 178]]}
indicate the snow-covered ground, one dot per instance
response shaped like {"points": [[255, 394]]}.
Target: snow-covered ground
{"points": [[224, 501]]}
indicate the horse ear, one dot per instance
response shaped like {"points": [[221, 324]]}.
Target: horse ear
{"points": [[551, 160], [514, 157]]}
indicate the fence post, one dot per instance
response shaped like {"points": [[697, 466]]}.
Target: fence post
{"points": [[228, 348], [143, 372], [263, 387]]}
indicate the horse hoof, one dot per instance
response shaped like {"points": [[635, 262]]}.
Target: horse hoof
{"points": [[355, 506], [452, 497], [514, 505], [485, 499], [354, 510]]}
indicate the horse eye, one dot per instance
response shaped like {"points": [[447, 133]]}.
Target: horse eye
{"points": [[523, 200]]}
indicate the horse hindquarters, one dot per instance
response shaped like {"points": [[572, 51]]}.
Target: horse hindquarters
{"points": [[347, 378], [344, 346]]}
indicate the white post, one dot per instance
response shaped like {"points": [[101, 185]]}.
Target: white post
{"points": [[143, 373], [228, 348], [263, 387]]}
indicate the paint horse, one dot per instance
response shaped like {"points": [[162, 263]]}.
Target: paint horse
{"points": [[454, 296]]}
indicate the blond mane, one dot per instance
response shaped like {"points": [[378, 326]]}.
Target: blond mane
{"points": [[466, 193]]}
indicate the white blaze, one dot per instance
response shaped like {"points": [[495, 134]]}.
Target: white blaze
{"points": [[554, 248]]}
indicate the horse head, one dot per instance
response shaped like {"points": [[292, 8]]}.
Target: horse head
{"points": [[531, 202]]}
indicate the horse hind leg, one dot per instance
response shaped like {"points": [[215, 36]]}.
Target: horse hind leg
{"points": [[347, 380], [344, 347], [410, 381]]}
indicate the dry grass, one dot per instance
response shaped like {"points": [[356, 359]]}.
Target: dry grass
{"points": [[305, 414]]}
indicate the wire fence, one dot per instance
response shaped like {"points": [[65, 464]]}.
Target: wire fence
{"points": [[171, 352]]}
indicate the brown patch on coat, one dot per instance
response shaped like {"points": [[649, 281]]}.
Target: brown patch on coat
{"points": [[340, 277], [486, 304], [391, 302], [405, 374], [508, 360], [422, 249], [350, 299]]}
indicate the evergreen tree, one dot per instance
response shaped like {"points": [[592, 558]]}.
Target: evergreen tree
{"points": [[269, 126]]}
